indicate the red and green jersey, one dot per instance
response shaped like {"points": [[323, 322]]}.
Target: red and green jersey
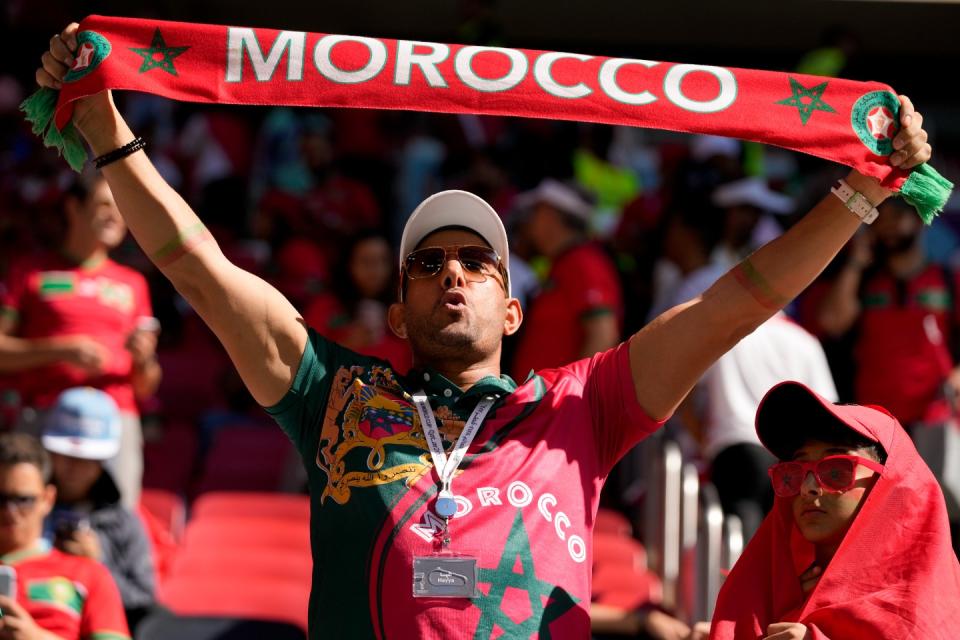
{"points": [[903, 348], [72, 597], [527, 492], [51, 296]]}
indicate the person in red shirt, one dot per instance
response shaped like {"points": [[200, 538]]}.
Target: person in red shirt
{"points": [[857, 546], [579, 311], [57, 596], [905, 315], [77, 318]]}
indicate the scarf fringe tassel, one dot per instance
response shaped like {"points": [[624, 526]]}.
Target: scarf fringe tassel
{"points": [[39, 110]]}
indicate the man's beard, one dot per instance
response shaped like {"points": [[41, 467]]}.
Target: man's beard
{"points": [[431, 343]]}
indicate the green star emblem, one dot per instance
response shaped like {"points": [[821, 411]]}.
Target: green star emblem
{"points": [[158, 54], [547, 602], [807, 100]]}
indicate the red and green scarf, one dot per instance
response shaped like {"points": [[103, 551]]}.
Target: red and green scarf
{"points": [[845, 121]]}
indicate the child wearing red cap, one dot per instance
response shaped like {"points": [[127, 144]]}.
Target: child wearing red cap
{"points": [[857, 545]]}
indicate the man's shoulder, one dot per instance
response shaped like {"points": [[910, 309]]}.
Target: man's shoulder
{"points": [[327, 365], [56, 563]]}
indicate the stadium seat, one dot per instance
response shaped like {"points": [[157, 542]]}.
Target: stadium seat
{"points": [[247, 458], [277, 599], [609, 521], [166, 626], [624, 587], [168, 508], [296, 565], [169, 463], [162, 545], [247, 533], [618, 550], [251, 504], [192, 370]]}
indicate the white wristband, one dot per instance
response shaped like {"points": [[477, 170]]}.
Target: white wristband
{"points": [[856, 202]]}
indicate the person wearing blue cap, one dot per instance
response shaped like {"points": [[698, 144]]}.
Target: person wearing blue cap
{"points": [[82, 431]]}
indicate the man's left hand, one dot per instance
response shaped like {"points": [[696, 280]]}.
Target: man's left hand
{"points": [[911, 144], [910, 149], [142, 346], [17, 624], [83, 542]]}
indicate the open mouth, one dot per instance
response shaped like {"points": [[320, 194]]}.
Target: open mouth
{"points": [[453, 299]]}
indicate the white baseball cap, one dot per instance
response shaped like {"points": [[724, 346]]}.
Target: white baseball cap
{"points": [[559, 196], [752, 191], [705, 147], [84, 423], [455, 208]]}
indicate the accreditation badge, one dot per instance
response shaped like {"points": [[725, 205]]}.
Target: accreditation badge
{"points": [[445, 575]]}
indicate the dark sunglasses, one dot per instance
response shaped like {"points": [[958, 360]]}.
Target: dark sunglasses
{"points": [[21, 503], [835, 474], [478, 262]]}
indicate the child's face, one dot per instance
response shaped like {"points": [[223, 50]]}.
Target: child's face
{"points": [[821, 516]]}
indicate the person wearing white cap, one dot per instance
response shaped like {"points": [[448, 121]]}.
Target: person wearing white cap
{"points": [[82, 432], [578, 312], [453, 502], [745, 203]]}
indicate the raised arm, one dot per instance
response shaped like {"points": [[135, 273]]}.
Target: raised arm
{"points": [[669, 355], [262, 332]]}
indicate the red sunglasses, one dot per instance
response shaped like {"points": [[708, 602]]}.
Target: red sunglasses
{"points": [[835, 474]]}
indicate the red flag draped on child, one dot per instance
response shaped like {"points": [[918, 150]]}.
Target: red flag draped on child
{"points": [[845, 121], [894, 575]]}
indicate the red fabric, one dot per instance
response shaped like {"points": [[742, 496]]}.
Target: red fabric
{"points": [[609, 521], [582, 282], [902, 357], [559, 453], [624, 587], [53, 297], [748, 104], [617, 549], [230, 504], [47, 582], [167, 508], [282, 599], [894, 577], [163, 546]]}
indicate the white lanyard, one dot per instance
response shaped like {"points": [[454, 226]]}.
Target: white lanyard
{"points": [[447, 466]]}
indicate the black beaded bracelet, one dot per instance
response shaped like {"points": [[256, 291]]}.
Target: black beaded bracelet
{"points": [[131, 147]]}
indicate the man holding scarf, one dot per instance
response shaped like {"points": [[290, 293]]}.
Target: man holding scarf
{"points": [[454, 502]]}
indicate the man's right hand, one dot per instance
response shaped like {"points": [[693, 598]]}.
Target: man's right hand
{"points": [[83, 352], [54, 66], [17, 624]]}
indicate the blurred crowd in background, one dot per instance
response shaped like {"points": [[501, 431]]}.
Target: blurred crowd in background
{"points": [[609, 226]]}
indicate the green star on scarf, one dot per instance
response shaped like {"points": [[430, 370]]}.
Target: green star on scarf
{"points": [[807, 100], [547, 602], [158, 47]]}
